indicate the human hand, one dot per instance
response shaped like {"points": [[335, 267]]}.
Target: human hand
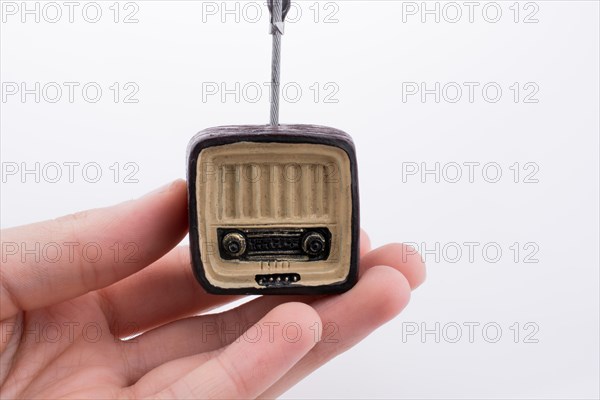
{"points": [[73, 289]]}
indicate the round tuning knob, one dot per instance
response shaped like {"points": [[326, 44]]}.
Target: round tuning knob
{"points": [[313, 243], [234, 244]]}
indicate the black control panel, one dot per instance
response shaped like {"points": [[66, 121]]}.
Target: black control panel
{"points": [[257, 244]]}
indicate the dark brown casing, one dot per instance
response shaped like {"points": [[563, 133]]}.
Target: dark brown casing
{"points": [[297, 235]]}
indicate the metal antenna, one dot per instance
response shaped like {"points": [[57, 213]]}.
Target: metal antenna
{"points": [[278, 9]]}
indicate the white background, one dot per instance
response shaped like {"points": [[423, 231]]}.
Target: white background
{"points": [[174, 50]]}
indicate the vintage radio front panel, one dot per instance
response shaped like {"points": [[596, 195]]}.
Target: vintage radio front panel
{"points": [[273, 209]]}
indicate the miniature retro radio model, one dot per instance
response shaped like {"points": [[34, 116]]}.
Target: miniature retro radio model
{"points": [[273, 208]]}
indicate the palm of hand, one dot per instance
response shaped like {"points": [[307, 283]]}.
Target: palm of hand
{"points": [[65, 350]]}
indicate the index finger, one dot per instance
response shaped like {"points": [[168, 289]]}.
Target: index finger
{"points": [[53, 261]]}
